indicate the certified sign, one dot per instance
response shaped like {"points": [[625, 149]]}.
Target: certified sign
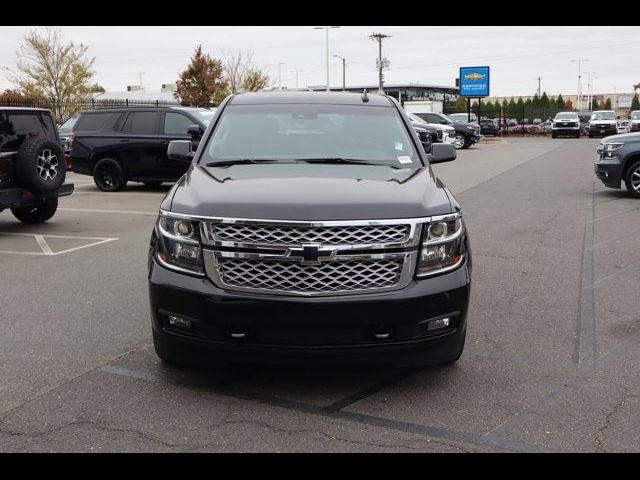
{"points": [[474, 81]]}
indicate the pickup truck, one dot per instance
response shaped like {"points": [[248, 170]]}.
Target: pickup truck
{"points": [[311, 227], [32, 169]]}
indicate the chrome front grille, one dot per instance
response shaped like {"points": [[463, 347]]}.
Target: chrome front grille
{"points": [[296, 235], [325, 278]]}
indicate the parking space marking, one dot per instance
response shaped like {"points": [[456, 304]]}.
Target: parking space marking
{"points": [[42, 243], [127, 212], [585, 352], [46, 249], [353, 417]]}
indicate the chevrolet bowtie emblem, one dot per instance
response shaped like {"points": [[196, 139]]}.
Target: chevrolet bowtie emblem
{"points": [[311, 254]]}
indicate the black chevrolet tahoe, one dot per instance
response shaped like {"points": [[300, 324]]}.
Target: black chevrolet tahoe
{"points": [[619, 161], [309, 227], [32, 170], [120, 144]]}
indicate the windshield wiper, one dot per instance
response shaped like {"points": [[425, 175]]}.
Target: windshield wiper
{"points": [[342, 161], [244, 161]]}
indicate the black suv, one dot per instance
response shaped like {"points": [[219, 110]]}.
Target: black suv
{"points": [[32, 170], [121, 144], [467, 134], [619, 161], [309, 225]]}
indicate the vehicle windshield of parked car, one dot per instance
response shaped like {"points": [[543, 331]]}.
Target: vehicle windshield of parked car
{"points": [[204, 115], [460, 117], [416, 119], [69, 124], [603, 116], [291, 133], [567, 116]]}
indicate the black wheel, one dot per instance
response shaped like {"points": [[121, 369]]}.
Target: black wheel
{"points": [[460, 141], [40, 165], [39, 214], [553, 135], [590, 136], [632, 180], [578, 135], [152, 184], [109, 175]]}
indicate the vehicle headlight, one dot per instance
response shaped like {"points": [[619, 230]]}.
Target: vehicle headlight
{"points": [[179, 245], [442, 245], [610, 148]]}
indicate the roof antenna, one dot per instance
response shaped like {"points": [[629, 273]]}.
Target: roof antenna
{"points": [[365, 98]]}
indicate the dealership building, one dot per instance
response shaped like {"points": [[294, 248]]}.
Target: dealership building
{"points": [[407, 92]]}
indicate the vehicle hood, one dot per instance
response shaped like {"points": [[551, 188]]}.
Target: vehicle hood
{"points": [[604, 122], [439, 126], [308, 192], [624, 138]]}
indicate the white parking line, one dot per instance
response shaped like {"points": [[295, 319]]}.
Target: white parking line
{"points": [[46, 249]]}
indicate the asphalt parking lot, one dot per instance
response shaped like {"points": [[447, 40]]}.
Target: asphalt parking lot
{"points": [[550, 364]]}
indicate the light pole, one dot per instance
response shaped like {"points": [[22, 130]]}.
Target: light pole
{"points": [[344, 72], [590, 89], [280, 75], [327, 40], [296, 72], [579, 61]]}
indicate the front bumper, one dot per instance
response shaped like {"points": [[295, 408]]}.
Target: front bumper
{"points": [[19, 197], [387, 327], [609, 171], [603, 130], [565, 130]]}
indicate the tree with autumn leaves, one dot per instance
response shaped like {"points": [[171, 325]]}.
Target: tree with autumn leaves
{"points": [[208, 80]]}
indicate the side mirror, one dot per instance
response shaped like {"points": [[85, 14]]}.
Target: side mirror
{"points": [[441, 153], [196, 132], [180, 150]]}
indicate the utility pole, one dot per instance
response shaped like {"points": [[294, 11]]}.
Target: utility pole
{"points": [[327, 52], [579, 61], [140, 76], [379, 37], [344, 71], [539, 86]]}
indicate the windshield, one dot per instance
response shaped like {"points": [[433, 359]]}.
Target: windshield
{"points": [[603, 116], [567, 116], [313, 132], [204, 115], [635, 115], [461, 117], [68, 125], [416, 119]]}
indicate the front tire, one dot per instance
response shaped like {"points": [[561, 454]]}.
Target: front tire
{"points": [[632, 180], [109, 176], [35, 215], [460, 141]]}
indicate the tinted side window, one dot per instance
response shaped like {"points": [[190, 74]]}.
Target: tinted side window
{"points": [[92, 122], [16, 127], [176, 124], [141, 123]]}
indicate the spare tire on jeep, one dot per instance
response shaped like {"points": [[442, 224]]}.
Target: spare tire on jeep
{"points": [[40, 165]]}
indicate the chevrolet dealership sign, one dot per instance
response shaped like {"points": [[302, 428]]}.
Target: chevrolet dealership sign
{"points": [[474, 81]]}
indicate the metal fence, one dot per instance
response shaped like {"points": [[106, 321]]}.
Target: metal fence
{"points": [[65, 110]]}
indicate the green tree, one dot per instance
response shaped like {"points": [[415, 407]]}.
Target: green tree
{"points": [[607, 104], [513, 107], [519, 111], [595, 105], [560, 105], [635, 103], [256, 80], [461, 105], [545, 106], [53, 70], [528, 110], [202, 83], [536, 111]]}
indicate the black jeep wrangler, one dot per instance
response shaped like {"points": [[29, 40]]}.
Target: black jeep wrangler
{"points": [[32, 170]]}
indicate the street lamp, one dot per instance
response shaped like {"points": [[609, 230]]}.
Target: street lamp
{"points": [[344, 72], [280, 75], [579, 61], [327, 40], [590, 90]]}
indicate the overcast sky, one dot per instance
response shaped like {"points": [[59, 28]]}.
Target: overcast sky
{"points": [[429, 55]]}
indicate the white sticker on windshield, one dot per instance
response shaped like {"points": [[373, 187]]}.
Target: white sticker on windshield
{"points": [[399, 146], [405, 159]]}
